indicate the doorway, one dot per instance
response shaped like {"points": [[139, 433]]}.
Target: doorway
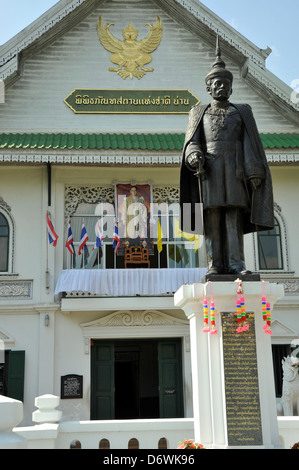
{"points": [[136, 379]]}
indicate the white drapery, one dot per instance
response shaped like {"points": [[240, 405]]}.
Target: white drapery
{"points": [[127, 282]]}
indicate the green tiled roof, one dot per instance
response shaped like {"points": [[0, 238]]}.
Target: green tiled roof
{"points": [[93, 141], [122, 141], [271, 141]]}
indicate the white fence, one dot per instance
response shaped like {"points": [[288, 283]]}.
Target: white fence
{"points": [[51, 433]]}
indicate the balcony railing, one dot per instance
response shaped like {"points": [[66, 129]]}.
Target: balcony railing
{"points": [[126, 282]]}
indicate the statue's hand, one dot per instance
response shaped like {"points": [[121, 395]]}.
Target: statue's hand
{"points": [[255, 183], [195, 162]]}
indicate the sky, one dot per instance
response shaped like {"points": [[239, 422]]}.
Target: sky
{"points": [[272, 23]]}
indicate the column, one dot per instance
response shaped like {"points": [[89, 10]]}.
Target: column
{"points": [[46, 351], [199, 363], [232, 373]]}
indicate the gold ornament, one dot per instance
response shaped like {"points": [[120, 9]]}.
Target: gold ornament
{"points": [[130, 54]]}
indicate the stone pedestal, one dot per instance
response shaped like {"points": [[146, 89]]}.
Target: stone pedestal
{"points": [[46, 412], [232, 373], [11, 414]]}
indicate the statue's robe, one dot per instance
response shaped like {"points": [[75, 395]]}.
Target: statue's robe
{"points": [[230, 162]]}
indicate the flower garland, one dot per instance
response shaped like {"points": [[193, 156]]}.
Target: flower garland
{"points": [[189, 444], [241, 310], [206, 329], [266, 312]]}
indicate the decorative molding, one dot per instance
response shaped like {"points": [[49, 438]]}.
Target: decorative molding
{"points": [[130, 159], [260, 75], [169, 194], [291, 286], [224, 31], [135, 323], [281, 333], [5, 339], [74, 195], [4, 205], [75, 159], [132, 318], [16, 289], [283, 158]]}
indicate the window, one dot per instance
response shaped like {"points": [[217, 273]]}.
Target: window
{"points": [[12, 375], [7, 237], [4, 243], [178, 250], [270, 248]]}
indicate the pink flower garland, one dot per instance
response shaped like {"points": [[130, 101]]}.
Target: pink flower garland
{"points": [[189, 444]]}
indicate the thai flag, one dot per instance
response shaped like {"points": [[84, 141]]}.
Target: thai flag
{"points": [[116, 240], [53, 237], [83, 240], [99, 235], [70, 240]]}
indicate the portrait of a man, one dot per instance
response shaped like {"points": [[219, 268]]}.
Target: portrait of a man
{"points": [[133, 209]]}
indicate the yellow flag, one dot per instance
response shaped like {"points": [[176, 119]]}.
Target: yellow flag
{"points": [[159, 238], [189, 236]]}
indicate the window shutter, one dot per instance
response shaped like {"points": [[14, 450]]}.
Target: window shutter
{"points": [[102, 380], [16, 370], [170, 379]]}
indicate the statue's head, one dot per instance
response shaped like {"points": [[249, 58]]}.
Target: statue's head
{"points": [[220, 88], [219, 80]]}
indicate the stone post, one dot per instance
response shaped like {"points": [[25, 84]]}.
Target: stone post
{"points": [[46, 412], [232, 373], [11, 414]]}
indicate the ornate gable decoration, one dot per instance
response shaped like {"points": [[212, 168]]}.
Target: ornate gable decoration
{"points": [[282, 334], [6, 342], [131, 55], [133, 318]]}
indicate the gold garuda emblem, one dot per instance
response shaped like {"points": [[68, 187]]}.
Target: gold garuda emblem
{"points": [[130, 54]]}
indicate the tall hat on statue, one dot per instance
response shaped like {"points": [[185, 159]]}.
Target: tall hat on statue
{"points": [[218, 68]]}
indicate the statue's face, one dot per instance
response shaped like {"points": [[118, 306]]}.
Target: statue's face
{"points": [[220, 88]]}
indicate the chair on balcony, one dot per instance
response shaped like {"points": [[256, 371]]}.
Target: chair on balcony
{"points": [[137, 255]]}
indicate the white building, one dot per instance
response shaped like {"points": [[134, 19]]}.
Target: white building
{"points": [[74, 134]]}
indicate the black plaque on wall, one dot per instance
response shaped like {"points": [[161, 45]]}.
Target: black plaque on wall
{"points": [[243, 412], [71, 386]]}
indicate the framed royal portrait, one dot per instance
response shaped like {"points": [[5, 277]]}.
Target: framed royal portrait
{"points": [[133, 206]]}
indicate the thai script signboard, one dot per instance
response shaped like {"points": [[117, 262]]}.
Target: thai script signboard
{"points": [[102, 101]]}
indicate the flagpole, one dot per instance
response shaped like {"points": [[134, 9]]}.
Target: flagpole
{"points": [[83, 254], [47, 252]]}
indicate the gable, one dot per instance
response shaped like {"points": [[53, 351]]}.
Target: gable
{"points": [[69, 55], [282, 334]]}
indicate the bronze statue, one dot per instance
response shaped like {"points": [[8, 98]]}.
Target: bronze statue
{"points": [[224, 166]]}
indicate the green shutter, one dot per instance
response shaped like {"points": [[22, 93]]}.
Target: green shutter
{"points": [[170, 379], [102, 380], [15, 380]]}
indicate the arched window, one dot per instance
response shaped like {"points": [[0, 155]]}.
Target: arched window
{"points": [[162, 444], [270, 253], [104, 444], [75, 444], [4, 243], [133, 443]]}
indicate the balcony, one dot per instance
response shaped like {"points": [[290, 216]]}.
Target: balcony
{"points": [[125, 282]]}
